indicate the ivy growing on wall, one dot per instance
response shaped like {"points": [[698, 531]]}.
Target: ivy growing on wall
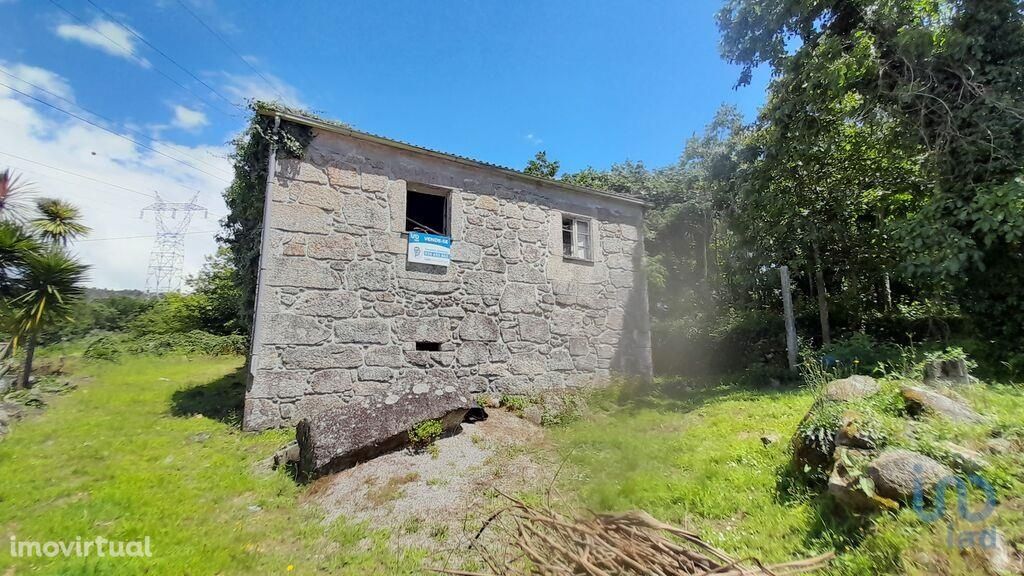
{"points": [[244, 197]]}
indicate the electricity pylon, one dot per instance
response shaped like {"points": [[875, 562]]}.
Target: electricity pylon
{"points": [[168, 256]]}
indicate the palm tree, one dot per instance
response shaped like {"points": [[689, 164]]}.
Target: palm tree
{"points": [[59, 221], [39, 280], [14, 196], [52, 281], [15, 245]]}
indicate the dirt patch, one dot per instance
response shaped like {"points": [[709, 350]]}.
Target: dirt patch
{"points": [[438, 499]]}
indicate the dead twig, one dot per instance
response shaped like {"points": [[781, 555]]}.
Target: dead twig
{"points": [[543, 542]]}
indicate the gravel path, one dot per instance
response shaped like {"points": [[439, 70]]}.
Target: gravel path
{"points": [[438, 501]]}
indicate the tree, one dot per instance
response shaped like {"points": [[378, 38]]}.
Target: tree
{"points": [[217, 295], [933, 89], [14, 196], [541, 166], [51, 282], [58, 221], [39, 280]]}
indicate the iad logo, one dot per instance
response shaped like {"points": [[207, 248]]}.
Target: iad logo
{"points": [[962, 539]]}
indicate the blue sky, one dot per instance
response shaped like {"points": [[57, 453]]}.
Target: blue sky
{"points": [[590, 82]]}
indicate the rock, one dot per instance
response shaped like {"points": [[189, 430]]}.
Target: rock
{"points": [[946, 373], [965, 459], [924, 401], [200, 438], [288, 453], [897, 473], [852, 434], [808, 456], [846, 488], [338, 438], [813, 453], [769, 439], [478, 327], [998, 446], [998, 555], [534, 414], [852, 388], [6, 384]]}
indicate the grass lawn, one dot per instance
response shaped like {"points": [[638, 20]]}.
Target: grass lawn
{"points": [[693, 455], [125, 457], [151, 447]]}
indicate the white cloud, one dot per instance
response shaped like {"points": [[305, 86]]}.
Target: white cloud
{"points": [[106, 36], [188, 119], [37, 134], [32, 75], [533, 139], [244, 87]]}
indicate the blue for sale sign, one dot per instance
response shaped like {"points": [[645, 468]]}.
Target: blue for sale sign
{"points": [[429, 249]]}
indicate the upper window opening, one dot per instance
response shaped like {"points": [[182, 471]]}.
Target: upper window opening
{"points": [[576, 238], [426, 212]]}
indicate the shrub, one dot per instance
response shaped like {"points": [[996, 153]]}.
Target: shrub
{"points": [[514, 403], [567, 408], [111, 347], [858, 354], [425, 433]]}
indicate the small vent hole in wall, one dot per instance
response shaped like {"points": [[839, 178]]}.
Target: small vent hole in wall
{"points": [[429, 346]]}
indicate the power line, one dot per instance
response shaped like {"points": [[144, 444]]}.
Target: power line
{"points": [[144, 236], [129, 130], [15, 156], [105, 129], [141, 62], [230, 47], [162, 53], [78, 185]]}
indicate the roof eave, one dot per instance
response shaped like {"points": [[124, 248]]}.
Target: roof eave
{"points": [[337, 129]]}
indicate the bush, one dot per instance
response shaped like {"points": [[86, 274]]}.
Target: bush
{"points": [[514, 403], [858, 354], [425, 433], [113, 346]]}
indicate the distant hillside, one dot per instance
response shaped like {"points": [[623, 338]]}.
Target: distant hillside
{"points": [[102, 293]]}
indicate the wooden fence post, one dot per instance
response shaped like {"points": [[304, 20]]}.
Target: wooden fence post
{"points": [[787, 308]]}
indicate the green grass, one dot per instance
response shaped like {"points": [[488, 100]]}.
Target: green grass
{"points": [[692, 455], [151, 447]]}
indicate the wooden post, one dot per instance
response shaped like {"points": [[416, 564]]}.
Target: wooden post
{"points": [[787, 308]]}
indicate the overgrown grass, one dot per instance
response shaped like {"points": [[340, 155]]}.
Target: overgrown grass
{"points": [[693, 455], [151, 447]]}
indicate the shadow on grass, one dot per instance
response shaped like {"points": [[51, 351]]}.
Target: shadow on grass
{"points": [[221, 400]]}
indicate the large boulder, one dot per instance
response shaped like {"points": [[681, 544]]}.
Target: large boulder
{"points": [[947, 373], [341, 437], [925, 401], [852, 388], [898, 473]]}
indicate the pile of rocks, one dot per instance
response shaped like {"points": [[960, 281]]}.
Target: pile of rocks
{"points": [[850, 448]]}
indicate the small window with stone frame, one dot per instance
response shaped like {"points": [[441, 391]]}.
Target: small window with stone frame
{"points": [[576, 238], [427, 210]]}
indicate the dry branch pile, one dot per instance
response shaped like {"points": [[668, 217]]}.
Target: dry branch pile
{"points": [[539, 541]]}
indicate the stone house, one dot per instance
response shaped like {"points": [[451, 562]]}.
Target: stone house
{"points": [[542, 285]]}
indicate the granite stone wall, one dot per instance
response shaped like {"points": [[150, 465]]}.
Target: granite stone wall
{"points": [[340, 309]]}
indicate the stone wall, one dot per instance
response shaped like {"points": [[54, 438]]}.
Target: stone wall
{"points": [[340, 309]]}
